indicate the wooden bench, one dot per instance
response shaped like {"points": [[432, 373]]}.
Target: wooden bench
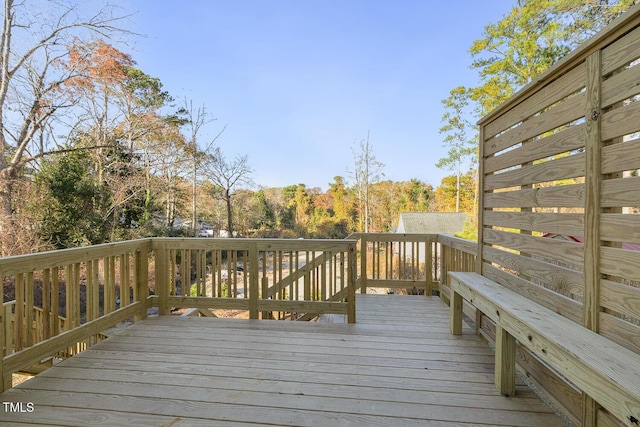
{"points": [[604, 370]]}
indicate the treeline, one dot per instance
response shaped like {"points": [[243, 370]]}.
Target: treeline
{"points": [[93, 150], [65, 204], [299, 211]]}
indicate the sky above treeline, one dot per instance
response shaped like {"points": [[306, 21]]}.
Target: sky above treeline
{"points": [[299, 83]]}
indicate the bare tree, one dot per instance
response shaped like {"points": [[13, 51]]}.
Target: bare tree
{"points": [[228, 177], [367, 171], [33, 49], [196, 119]]}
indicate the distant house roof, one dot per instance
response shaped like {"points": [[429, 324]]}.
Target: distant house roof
{"points": [[431, 222]]}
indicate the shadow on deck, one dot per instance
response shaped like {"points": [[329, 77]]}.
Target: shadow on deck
{"points": [[397, 366]]}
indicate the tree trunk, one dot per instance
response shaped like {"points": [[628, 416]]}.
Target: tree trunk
{"points": [[7, 231], [194, 191], [458, 192], [227, 198]]}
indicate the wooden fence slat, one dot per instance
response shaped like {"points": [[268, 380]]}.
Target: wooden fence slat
{"points": [[570, 253], [620, 192], [571, 224], [618, 227], [561, 279], [621, 52], [569, 83], [562, 113], [623, 156], [563, 141], [621, 121], [553, 170], [620, 86], [569, 196]]}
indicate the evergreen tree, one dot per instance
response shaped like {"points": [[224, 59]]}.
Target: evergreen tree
{"points": [[72, 205]]}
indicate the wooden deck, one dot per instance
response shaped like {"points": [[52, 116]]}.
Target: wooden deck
{"points": [[398, 366]]}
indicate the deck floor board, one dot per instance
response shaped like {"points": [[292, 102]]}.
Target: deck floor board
{"points": [[405, 369]]}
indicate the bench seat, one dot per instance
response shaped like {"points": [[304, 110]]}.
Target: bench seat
{"points": [[604, 370]]}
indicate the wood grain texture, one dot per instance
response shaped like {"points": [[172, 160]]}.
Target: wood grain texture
{"points": [[567, 307], [561, 223], [567, 84], [621, 156], [559, 279], [592, 209], [562, 113], [548, 171], [570, 253], [570, 196], [607, 372], [406, 371], [622, 51], [566, 140]]}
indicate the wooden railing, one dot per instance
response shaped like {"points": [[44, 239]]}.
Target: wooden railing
{"points": [[269, 278], [39, 332], [47, 317], [456, 254], [418, 263], [397, 261], [65, 300]]}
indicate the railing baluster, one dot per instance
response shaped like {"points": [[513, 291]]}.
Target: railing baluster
{"points": [[46, 303], [28, 311], [18, 324]]}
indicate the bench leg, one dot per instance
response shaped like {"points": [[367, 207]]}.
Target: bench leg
{"points": [[589, 411], [455, 317], [505, 379]]}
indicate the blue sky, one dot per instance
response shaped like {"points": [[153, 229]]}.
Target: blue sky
{"points": [[300, 82]]}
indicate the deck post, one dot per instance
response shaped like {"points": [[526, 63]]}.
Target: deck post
{"points": [[443, 269], [428, 255], [254, 273], [142, 280], [162, 276], [3, 344], [351, 284], [363, 263], [593, 181]]}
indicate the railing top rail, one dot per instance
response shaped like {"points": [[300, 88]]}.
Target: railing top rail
{"points": [[464, 245], [42, 260], [38, 261], [261, 244], [394, 237]]}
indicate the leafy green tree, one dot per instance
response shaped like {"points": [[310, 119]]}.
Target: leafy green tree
{"points": [[344, 208], [446, 194], [529, 39], [302, 202], [124, 176], [72, 205], [511, 53], [413, 196], [33, 87], [266, 216], [456, 128]]}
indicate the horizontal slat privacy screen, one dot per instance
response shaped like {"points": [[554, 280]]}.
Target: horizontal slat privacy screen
{"points": [[560, 187]]}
